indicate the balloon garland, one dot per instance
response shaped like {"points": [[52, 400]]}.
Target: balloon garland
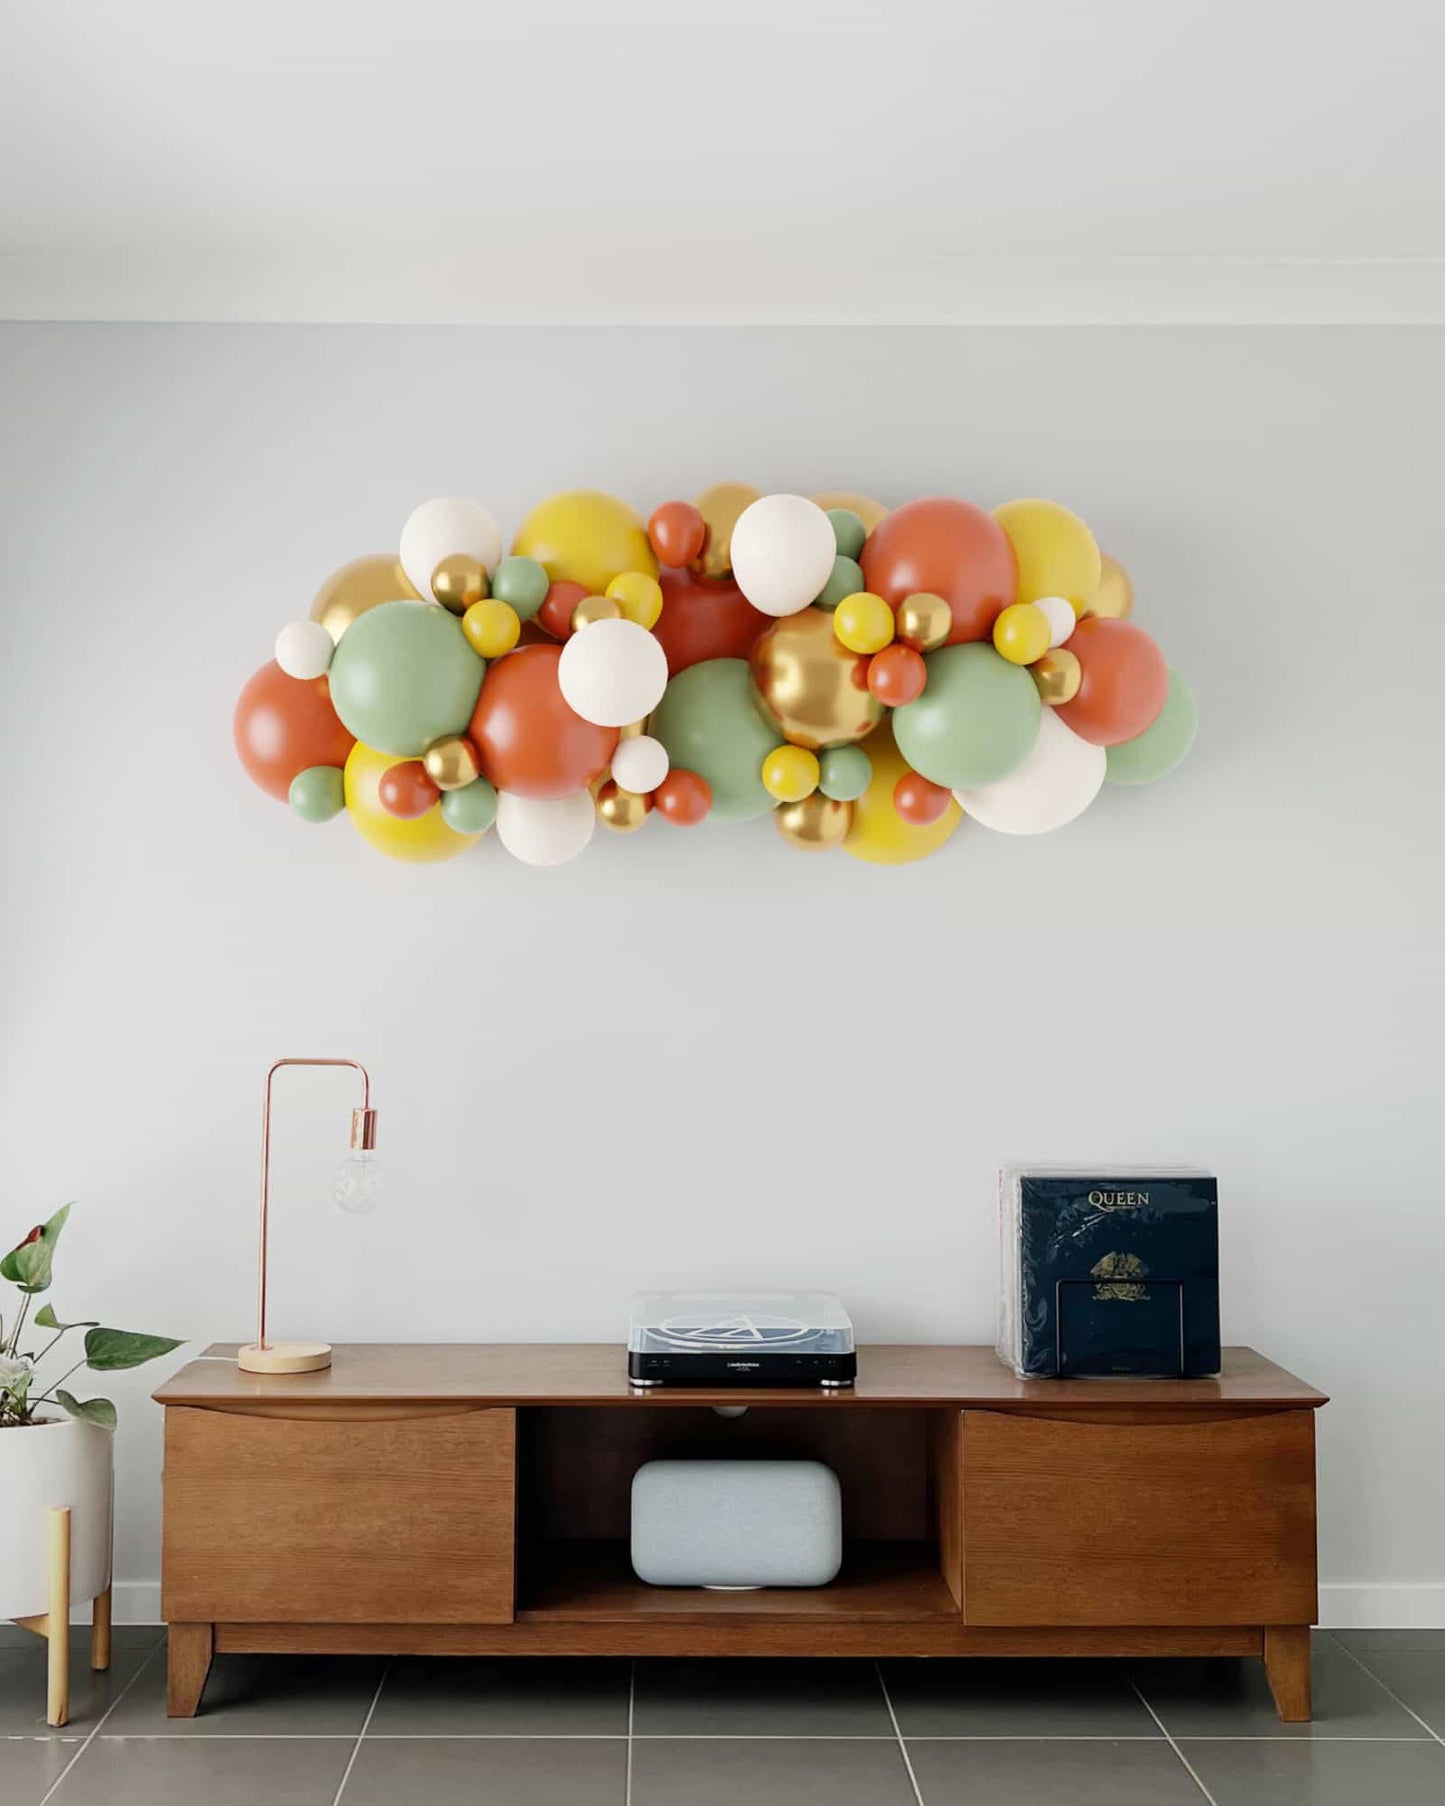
{"points": [[867, 677]]}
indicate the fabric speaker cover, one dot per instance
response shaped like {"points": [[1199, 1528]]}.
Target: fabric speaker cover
{"points": [[736, 1524]]}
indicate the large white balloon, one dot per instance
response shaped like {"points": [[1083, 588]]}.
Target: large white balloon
{"points": [[545, 830], [783, 549], [639, 764], [612, 673], [304, 649], [443, 527], [1057, 781]]}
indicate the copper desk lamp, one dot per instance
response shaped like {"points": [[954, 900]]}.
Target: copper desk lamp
{"points": [[354, 1190]]}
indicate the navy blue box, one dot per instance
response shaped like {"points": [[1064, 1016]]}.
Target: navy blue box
{"points": [[1109, 1273]]}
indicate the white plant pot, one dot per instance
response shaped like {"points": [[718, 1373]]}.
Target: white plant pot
{"points": [[56, 1461]]}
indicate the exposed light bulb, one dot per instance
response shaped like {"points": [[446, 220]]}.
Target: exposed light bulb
{"points": [[358, 1182]]}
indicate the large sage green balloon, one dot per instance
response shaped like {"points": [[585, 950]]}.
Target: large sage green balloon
{"points": [[1163, 743], [977, 718], [317, 793], [709, 723], [404, 675]]}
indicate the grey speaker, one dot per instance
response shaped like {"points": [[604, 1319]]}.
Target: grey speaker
{"points": [[736, 1524]]}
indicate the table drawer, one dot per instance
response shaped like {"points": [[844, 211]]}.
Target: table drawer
{"points": [[1090, 1521], [403, 1517]]}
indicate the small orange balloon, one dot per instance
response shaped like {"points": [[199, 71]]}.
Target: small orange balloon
{"points": [[406, 790], [1123, 686], [677, 532], [920, 802], [683, 798], [558, 605], [897, 675]]}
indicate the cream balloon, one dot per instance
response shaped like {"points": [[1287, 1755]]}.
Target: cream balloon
{"points": [[304, 649], [783, 548], [441, 527], [545, 830], [1061, 618], [639, 764], [612, 673], [1056, 782]]}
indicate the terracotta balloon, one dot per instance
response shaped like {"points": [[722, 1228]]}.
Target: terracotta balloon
{"points": [[531, 743], [558, 606], [284, 725], [812, 685], [918, 801], [677, 532], [683, 798], [950, 548], [1124, 682], [897, 675], [703, 618], [406, 791]]}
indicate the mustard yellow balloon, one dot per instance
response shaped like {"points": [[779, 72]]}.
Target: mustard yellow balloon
{"points": [[1022, 633], [863, 622], [424, 839], [879, 833], [1056, 552], [584, 536], [790, 773], [638, 595], [492, 627]]}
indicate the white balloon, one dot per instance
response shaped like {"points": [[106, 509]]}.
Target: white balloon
{"points": [[545, 830], [783, 549], [442, 527], [1061, 617], [612, 673], [1057, 781], [639, 764], [304, 649]]}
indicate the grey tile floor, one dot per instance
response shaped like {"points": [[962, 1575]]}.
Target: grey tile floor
{"points": [[293, 1732]]}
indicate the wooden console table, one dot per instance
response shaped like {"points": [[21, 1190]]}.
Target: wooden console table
{"points": [[474, 1500]]}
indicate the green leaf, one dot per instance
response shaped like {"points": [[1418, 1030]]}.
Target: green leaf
{"points": [[45, 1318], [89, 1410], [108, 1350], [28, 1265]]}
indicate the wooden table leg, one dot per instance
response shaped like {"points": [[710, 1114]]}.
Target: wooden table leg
{"points": [[57, 1626], [1287, 1664], [100, 1631], [188, 1662]]}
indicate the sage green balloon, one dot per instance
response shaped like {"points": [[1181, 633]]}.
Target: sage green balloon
{"points": [[847, 771], [404, 675], [522, 584], [848, 532], [977, 718], [1155, 752], [846, 580], [472, 809], [709, 723], [317, 794]]}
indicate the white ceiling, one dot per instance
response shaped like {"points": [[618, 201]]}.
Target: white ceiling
{"points": [[759, 160]]}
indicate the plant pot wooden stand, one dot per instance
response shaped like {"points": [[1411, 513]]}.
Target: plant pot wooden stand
{"points": [[54, 1623]]}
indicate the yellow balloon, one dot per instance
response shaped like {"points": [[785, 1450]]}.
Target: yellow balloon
{"points": [[1113, 600], [790, 773], [362, 584], [492, 627], [425, 838], [586, 537], [638, 595], [1057, 553], [1022, 633], [863, 622], [879, 833], [867, 510]]}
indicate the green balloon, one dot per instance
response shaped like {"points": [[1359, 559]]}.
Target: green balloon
{"points": [[403, 675], [846, 580], [316, 794], [709, 723], [522, 584], [472, 809], [847, 773], [848, 531], [976, 720], [1162, 745]]}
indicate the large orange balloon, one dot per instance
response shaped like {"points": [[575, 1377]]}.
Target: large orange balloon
{"points": [[283, 725], [1123, 686], [950, 548], [530, 741], [703, 618]]}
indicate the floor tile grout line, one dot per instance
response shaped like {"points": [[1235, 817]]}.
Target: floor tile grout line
{"points": [[902, 1746], [703, 1737], [356, 1747], [1364, 1669], [631, 1704], [1165, 1732], [141, 1667]]}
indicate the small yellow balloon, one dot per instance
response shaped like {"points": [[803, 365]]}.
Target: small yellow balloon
{"points": [[423, 839], [1057, 676], [492, 627], [863, 622], [924, 621], [638, 595], [621, 810], [364, 583], [720, 507], [586, 537], [815, 823], [867, 510], [1056, 552], [1021, 633], [458, 581], [1113, 600], [879, 833], [790, 773], [595, 608], [451, 762]]}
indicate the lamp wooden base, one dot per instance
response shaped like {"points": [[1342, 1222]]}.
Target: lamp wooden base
{"points": [[284, 1357]]}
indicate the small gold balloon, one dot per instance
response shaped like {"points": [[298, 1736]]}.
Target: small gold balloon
{"points": [[633, 729], [364, 583], [813, 687], [1057, 676], [720, 507], [621, 810], [451, 763], [816, 823], [867, 510], [924, 620], [458, 581], [595, 608], [1113, 600]]}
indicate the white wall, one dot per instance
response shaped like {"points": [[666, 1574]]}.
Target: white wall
{"points": [[577, 1070]]}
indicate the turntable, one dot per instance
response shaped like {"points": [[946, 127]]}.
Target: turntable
{"points": [[740, 1339]]}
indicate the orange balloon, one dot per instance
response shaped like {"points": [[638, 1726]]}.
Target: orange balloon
{"points": [[283, 725], [555, 614], [918, 801], [683, 798], [950, 548], [529, 740], [704, 617], [407, 790], [677, 532], [1123, 686], [897, 675]]}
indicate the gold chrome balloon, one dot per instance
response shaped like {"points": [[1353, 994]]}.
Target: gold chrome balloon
{"points": [[621, 810], [1057, 676], [867, 510], [816, 823], [362, 584], [633, 729], [720, 507], [451, 763], [813, 687], [1113, 600], [458, 581], [924, 621], [595, 608]]}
